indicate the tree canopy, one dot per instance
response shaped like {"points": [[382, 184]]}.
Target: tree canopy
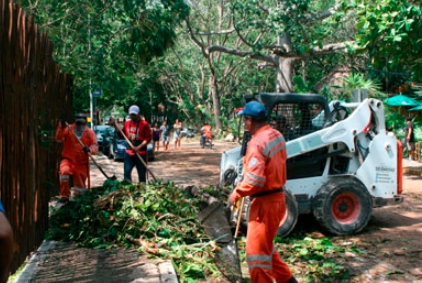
{"points": [[108, 44], [196, 59], [389, 32]]}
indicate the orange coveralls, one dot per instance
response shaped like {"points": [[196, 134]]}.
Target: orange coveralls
{"points": [[75, 161], [265, 170], [207, 131]]}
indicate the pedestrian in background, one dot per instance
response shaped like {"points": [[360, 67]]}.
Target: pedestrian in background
{"points": [[177, 133], [75, 158], [138, 132], [264, 178], [410, 137], [165, 135], [6, 245], [206, 133], [156, 133]]}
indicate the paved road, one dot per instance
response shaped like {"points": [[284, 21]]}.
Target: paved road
{"points": [[64, 262], [189, 165], [171, 166]]}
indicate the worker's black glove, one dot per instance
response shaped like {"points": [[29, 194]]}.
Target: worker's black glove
{"points": [[63, 123], [86, 149]]}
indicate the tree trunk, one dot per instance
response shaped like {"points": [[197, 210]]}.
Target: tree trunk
{"points": [[285, 75], [216, 102]]}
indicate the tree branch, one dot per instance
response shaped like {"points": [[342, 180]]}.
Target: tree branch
{"points": [[322, 15], [330, 48], [326, 49], [263, 8], [221, 32], [250, 54], [194, 38]]}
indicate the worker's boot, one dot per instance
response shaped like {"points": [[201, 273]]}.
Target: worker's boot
{"points": [[64, 186]]}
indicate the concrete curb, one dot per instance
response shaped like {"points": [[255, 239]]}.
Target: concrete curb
{"points": [[31, 268], [167, 272]]}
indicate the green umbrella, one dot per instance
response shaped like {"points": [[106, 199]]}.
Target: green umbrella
{"points": [[417, 108], [401, 100]]}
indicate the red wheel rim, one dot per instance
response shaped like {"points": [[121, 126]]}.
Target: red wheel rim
{"points": [[346, 208]]}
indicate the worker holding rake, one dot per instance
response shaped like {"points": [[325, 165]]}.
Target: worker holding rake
{"points": [[264, 179], [75, 159], [137, 133]]}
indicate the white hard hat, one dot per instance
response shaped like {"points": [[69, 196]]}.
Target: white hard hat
{"points": [[134, 110]]}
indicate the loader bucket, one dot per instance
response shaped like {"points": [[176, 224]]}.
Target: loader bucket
{"points": [[215, 223]]}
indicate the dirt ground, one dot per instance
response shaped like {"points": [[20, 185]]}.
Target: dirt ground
{"points": [[391, 242]]}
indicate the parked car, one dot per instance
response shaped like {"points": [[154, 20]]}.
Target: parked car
{"points": [[118, 147], [104, 138], [188, 132], [150, 151]]}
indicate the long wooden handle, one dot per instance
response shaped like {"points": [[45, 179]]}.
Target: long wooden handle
{"points": [[239, 217], [137, 154]]}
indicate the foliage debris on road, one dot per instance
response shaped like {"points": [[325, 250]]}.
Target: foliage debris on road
{"points": [[161, 220]]}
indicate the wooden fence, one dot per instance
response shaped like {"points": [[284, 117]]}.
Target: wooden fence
{"points": [[33, 94]]}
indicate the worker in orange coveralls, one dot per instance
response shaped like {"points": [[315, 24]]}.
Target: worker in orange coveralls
{"points": [[264, 178], [75, 156], [206, 132]]}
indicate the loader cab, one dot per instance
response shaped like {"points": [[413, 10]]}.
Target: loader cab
{"points": [[294, 114]]}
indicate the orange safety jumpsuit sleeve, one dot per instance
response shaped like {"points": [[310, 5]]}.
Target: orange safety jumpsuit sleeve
{"points": [[75, 160], [265, 170]]}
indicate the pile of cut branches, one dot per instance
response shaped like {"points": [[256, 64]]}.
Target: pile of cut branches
{"points": [[159, 219]]}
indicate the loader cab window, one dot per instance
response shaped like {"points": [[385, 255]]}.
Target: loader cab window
{"points": [[294, 120]]}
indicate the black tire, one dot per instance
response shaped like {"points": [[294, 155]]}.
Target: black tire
{"points": [[343, 206], [288, 223], [229, 177], [106, 153]]}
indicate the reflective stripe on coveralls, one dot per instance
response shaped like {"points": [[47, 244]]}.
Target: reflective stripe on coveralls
{"points": [[265, 170]]}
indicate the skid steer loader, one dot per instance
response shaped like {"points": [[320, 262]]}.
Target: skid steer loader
{"points": [[341, 162]]}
